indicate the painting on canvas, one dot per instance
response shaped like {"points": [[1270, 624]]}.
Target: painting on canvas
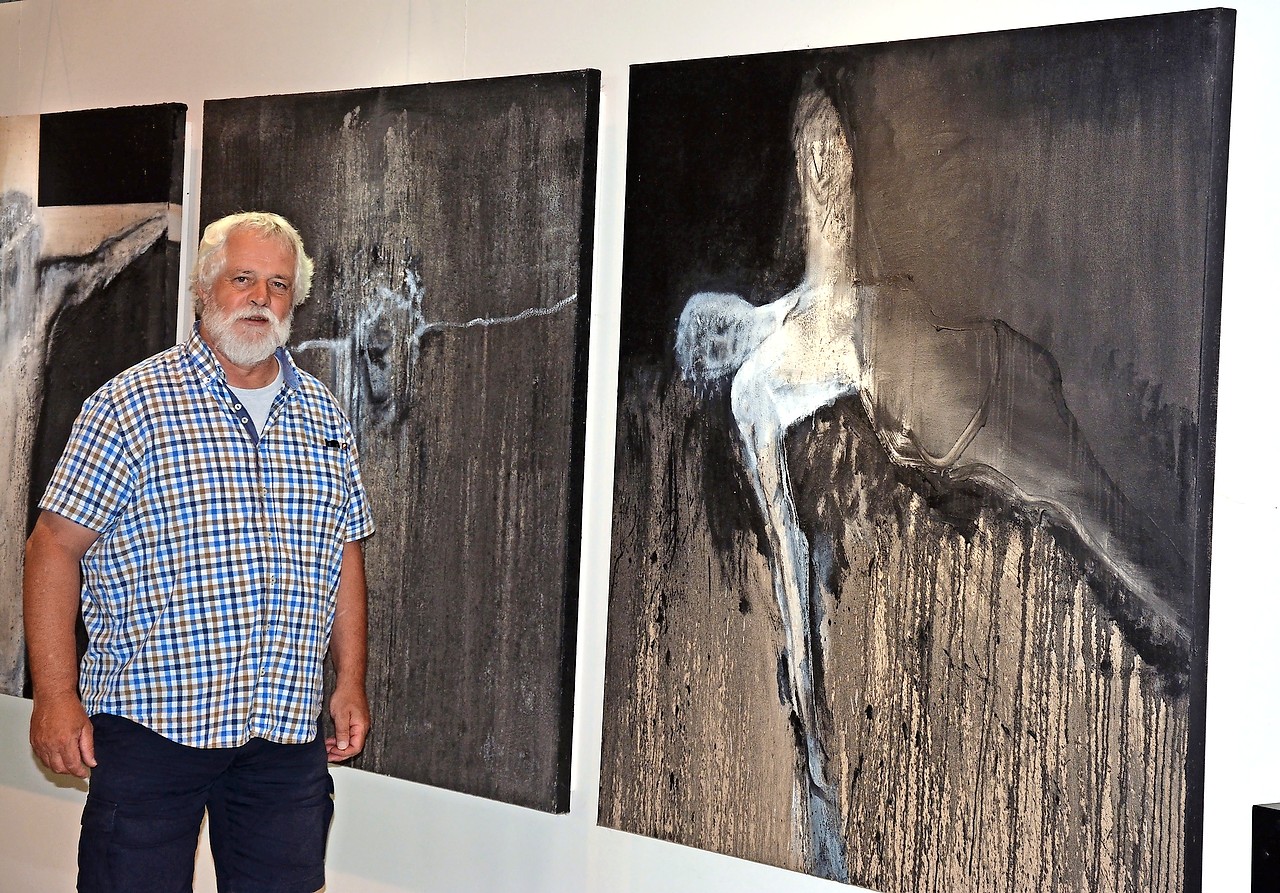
{"points": [[451, 226], [914, 457], [90, 212]]}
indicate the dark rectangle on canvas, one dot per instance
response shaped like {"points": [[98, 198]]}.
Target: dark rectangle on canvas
{"points": [[112, 156]]}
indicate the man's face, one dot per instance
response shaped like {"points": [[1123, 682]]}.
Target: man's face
{"points": [[248, 310]]}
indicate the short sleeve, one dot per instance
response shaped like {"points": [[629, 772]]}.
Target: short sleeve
{"points": [[96, 476], [359, 518]]}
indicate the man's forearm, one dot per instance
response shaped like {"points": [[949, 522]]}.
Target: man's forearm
{"points": [[61, 734], [50, 606], [349, 645]]}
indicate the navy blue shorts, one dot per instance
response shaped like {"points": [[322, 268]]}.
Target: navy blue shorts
{"points": [[269, 810]]}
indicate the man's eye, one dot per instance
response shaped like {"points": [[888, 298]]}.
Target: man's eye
{"points": [[280, 286]]}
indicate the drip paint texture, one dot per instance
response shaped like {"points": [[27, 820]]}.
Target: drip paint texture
{"points": [[992, 729]]}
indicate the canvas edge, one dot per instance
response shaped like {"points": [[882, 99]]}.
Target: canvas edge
{"points": [[1224, 23], [572, 558]]}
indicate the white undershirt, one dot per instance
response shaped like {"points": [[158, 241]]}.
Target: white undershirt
{"points": [[257, 401]]}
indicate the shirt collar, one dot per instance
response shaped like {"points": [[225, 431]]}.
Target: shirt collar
{"points": [[207, 367]]}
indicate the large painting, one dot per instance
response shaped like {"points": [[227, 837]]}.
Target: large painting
{"points": [[914, 457], [451, 228], [90, 213]]}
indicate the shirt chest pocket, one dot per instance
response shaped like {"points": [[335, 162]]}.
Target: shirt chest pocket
{"points": [[314, 482]]}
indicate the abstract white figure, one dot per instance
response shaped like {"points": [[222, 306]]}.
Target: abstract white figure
{"points": [[971, 401]]}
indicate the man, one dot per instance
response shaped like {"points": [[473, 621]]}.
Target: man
{"points": [[206, 519]]}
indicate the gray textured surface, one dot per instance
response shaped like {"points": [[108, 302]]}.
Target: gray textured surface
{"points": [[448, 315]]}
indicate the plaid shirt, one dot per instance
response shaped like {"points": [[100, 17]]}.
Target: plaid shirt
{"points": [[209, 596]]}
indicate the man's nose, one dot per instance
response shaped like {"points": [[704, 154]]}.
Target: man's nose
{"points": [[258, 294]]}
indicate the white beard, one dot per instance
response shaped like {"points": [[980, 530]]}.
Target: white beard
{"points": [[245, 350]]}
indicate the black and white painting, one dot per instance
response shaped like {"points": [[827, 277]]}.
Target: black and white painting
{"points": [[914, 457], [451, 227], [90, 214]]}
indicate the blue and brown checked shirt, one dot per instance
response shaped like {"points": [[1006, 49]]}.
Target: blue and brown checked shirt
{"points": [[209, 596]]}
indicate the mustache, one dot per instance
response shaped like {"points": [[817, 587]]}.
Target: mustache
{"points": [[259, 313]]}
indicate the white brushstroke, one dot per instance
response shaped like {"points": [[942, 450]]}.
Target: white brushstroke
{"points": [[487, 321], [371, 371]]}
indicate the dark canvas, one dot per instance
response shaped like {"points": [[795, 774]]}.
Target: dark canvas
{"points": [[914, 457], [89, 242], [451, 228]]}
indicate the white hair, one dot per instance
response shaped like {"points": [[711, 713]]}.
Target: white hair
{"points": [[212, 253]]}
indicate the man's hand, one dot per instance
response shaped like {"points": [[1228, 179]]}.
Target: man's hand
{"points": [[62, 736], [349, 708]]}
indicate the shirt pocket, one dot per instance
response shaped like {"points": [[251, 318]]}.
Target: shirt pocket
{"points": [[321, 479]]}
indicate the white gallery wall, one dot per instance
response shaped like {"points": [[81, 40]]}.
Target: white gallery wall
{"points": [[392, 836]]}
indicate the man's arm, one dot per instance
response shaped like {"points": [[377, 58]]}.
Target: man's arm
{"points": [[60, 732], [349, 646]]}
